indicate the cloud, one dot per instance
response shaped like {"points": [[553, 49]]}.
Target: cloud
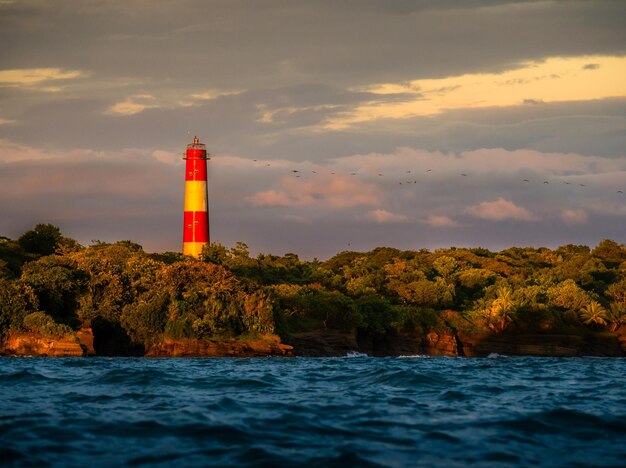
{"points": [[133, 105], [384, 216], [554, 79], [327, 191], [574, 216], [211, 94], [440, 221], [167, 157], [35, 76], [11, 152], [500, 210]]}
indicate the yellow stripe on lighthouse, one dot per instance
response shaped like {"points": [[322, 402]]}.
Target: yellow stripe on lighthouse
{"points": [[195, 195], [193, 248]]}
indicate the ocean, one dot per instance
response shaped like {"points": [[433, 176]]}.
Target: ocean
{"points": [[352, 411]]}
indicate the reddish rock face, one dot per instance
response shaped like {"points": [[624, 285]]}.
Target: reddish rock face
{"points": [[85, 336], [441, 344], [29, 344], [267, 346]]}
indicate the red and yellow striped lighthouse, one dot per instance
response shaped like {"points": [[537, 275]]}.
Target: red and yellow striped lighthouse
{"points": [[196, 219]]}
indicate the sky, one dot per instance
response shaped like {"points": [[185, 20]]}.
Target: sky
{"points": [[412, 124]]}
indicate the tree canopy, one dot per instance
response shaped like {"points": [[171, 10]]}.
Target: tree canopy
{"points": [[51, 284]]}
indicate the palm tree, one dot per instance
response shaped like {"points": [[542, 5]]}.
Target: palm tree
{"points": [[616, 315], [501, 310], [593, 313]]}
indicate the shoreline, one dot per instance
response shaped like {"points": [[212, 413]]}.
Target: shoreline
{"points": [[332, 344]]}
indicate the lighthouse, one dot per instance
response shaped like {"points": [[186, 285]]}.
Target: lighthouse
{"points": [[196, 218]]}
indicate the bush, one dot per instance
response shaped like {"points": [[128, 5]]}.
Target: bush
{"points": [[16, 301], [38, 322]]}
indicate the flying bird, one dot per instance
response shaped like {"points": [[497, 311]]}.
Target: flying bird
{"points": [[619, 191], [408, 172], [546, 182], [429, 170], [295, 170], [464, 175], [526, 180], [582, 185]]}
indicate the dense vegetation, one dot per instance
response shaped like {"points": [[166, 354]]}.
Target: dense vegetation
{"points": [[52, 285]]}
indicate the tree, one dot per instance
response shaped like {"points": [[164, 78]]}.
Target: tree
{"points": [[57, 283], [502, 309], [12, 257], [594, 314], [567, 295], [610, 251], [616, 316], [617, 291], [445, 266], [39, 322], [42, 240], [16, 301]]}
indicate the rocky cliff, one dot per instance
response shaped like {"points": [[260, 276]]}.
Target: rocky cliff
{"points": [[446, 342], [265, 346], [441, 342], [33, 344]]}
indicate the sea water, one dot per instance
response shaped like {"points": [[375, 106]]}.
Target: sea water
{"points": [[352, 411]]}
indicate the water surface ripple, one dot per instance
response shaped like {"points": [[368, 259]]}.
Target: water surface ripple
{"points": [[353, 411]]}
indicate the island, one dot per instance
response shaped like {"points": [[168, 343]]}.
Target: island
{"points": [[59, 298]]}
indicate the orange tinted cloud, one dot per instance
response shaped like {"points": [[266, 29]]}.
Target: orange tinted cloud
{"points": [[556, 79], [383, 216], [334, 192], [500, 210]]}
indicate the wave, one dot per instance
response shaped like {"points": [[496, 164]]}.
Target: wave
{"points": [[315, 412]]}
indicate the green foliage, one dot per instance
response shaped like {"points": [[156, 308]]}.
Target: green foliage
{"points": [[42, 240], [567, 295], [181, 327], [594, 314], [57, 283], [16, 301], [610, 252], [142, 298], [377, 313], [501, 311], [475, 279], [445, 266], [145, 319], [304, 308], [12, 257], [39, 322]]}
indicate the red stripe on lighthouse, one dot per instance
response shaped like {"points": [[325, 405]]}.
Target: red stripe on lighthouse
{"points": [[196, 226], [196, 153], [195, 169]]}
